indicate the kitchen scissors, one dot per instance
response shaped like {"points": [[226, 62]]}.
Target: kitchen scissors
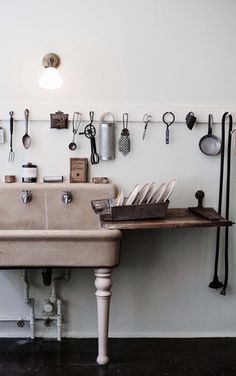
{"points": [[146, 119], [168, 118]]}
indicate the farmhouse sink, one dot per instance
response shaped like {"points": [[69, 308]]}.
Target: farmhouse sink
{"points": [[47, 232]]}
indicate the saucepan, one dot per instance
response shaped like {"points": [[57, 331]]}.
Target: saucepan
{"points": [[210, 144]]}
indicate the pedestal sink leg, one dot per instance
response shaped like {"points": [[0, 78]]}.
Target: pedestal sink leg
{"points": [[103, 285]]}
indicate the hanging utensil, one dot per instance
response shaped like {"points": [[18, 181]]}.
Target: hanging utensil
{"points": [[90, 132], [76, 121], [190, 120], [146, 119], [168, 118], [2, 136], [233, 132], [124, 141], [107, 137], [11, 155], [210, 144], [26, 140], [215, 283]]}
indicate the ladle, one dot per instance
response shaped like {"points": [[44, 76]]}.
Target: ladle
{"points": [[26, 140], [77, 118]]}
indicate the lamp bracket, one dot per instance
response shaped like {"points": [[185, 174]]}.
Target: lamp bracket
{"points": [[51, 60]]}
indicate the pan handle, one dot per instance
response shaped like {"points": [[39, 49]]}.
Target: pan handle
{"points": [[26, 120], [210, 123]]}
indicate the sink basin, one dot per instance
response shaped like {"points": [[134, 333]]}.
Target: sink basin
{"points": [[48, 233]]}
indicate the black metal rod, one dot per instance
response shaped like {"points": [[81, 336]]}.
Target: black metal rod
{"points": [[215, 283], [223, 292]]}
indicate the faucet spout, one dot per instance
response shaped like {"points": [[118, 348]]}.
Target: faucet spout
{"points": [[67, 197]]}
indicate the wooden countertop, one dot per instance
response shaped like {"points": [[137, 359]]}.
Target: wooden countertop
{"points": [[175, 218]]}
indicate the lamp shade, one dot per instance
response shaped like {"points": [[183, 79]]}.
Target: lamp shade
{"points": [[50, 79]]}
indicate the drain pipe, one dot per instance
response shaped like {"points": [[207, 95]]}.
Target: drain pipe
{"points": [[64, 278], [26, 286], [32, 319], [59, 319], [53, 299], [29, 301], [47, 276]]}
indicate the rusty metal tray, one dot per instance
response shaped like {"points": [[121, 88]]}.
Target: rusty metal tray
{"points": [[130, 212]]}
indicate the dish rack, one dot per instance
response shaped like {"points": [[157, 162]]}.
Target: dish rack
{"points": [[109, 211]]}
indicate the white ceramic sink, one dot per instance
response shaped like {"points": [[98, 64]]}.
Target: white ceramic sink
{"points": [[47, 232]]}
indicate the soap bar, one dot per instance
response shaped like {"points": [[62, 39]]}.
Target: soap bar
{"points": [[100, 180]]}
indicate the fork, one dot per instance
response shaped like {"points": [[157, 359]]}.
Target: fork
{"points": [[11, 156]]}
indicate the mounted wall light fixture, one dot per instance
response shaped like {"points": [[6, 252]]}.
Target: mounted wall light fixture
{"points": [[50, 79]]}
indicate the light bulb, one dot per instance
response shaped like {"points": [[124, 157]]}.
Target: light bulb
{"points": [[50, 79]]}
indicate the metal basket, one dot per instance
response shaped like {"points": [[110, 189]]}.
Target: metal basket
{"points": [[103, 206], [129, 212]]}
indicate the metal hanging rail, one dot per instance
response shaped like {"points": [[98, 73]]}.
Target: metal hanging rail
{"points": [[42, 111]]}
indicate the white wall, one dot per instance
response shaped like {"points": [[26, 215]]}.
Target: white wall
{"points": [[123, 55]]}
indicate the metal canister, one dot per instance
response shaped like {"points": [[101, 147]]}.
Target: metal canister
{"points": [[107, 142], [29, 173]]}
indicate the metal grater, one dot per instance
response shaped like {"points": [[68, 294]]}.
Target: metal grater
{"points": [[124, 141]]}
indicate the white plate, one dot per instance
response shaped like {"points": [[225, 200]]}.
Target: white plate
{"points": [[142, 194], [133, 194], [158, 194], [120, 198], [151, 191], [169, 189]]}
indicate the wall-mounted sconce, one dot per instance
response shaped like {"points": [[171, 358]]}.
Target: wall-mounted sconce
{"points": [[50, 78]]}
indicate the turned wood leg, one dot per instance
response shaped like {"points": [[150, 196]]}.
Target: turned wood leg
{"points": [[103, 285]]}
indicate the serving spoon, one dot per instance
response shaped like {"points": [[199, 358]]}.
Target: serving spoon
{"points": [[26, 139]]}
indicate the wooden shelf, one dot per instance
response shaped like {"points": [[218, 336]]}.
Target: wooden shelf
{"points": [[175, 218]]}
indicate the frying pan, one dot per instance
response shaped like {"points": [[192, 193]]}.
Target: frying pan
{"points": [[210, 144]]}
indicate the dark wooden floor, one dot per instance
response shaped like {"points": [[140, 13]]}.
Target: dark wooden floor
{"points": [[138, 357]]}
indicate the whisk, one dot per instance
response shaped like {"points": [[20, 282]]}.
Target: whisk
{"points": [[11, 156]]}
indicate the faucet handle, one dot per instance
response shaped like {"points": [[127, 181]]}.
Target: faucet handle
{"points": [[67, 197], [26, 196]]}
